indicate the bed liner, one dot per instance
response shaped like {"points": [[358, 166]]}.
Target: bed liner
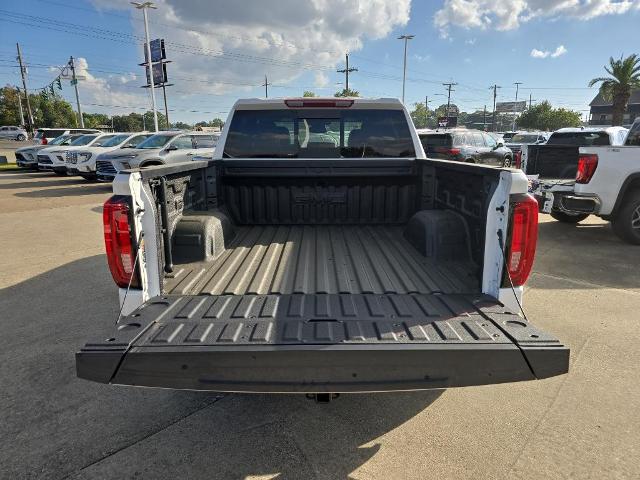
{"points": [[354, 259]]}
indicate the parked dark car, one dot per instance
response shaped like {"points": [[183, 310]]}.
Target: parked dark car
{"points": [[464, 145]]}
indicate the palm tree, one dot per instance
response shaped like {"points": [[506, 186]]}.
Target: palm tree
{"points": [[625, 77]]}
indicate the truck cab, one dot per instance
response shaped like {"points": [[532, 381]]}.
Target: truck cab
{"points": [[320, 251]]}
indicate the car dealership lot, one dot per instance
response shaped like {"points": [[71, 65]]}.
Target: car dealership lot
{"points": [[57, 292]]}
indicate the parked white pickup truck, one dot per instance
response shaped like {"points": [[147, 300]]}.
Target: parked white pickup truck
{"points": [[606, 183], [320, 251]]}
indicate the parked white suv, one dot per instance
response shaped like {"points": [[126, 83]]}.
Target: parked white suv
{"points": [[14, 133], [83, 160], [43, 136], [54, 158]]}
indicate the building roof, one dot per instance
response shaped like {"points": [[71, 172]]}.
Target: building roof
{"points": [[598, 101]]}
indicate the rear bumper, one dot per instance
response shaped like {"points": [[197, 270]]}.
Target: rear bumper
{"points": [[578, 204], [195, 343]]}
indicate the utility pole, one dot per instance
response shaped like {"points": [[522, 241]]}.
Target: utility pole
{"points": [[144, 6], [495, 95], [449, 86], [266, 87], [406, 38], [531, 100], [484, 119], [347, 71], [20, 106], [426, 111], [513, 126], [166, 110], [26, 92], [74, 81]]}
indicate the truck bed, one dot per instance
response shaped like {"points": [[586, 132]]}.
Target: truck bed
{"points": [[322, 259]]}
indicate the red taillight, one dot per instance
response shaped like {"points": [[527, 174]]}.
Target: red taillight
{"points": [[303, 103], [44, 141], [121, 252], [587, 164], [447, 150], [524, 237], [517, 159]]}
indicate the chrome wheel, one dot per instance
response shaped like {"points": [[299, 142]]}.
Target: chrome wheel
{"points": [[635, 218]]}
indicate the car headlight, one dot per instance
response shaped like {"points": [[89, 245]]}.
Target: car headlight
{"points": [[84, 156]]}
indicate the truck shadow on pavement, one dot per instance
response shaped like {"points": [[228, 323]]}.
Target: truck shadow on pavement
{"points": [[590, 255], [56, 425], [73, 190], [45, 182]]}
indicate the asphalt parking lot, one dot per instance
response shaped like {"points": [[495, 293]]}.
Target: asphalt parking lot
{"points": [[56, 291]]}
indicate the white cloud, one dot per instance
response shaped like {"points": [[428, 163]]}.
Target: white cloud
{"points": [[220, 47], [560, 50], [320, 80], [509, 14], [535, 53], [470, 41]]}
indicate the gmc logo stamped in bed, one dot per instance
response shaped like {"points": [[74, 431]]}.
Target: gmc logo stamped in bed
{"points": [[319, 198]]}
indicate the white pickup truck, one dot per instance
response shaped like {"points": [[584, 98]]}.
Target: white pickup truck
{"points": [[320, 251], [605, 182]]}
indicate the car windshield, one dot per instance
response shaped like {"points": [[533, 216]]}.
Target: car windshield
{"points": [[583, 139], [59, 140], [112, 141], [83, 140], [102, 140], [318, 133], [157, 141], [524, 138]]}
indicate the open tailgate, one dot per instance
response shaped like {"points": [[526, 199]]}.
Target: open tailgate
{"points": [[321, 343]]}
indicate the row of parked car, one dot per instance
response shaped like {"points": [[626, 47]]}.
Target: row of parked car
{"points": [[96, 155]]}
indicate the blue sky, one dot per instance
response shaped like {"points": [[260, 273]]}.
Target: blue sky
{"points": [[471, 42]]}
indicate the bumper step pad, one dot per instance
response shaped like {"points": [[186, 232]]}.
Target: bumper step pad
{"points": [[321, 343]]}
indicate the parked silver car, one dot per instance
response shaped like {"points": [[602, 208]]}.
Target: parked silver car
{"points": [[14, 133], [160, 149]]}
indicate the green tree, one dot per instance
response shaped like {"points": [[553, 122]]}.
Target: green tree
{"points": [[308, 93], [148, 121], [51, 111], [95, 120], [9, 107], [182, 126], [544, 117], [216, 123], [624, 77], [347, 93], [422, 118]]}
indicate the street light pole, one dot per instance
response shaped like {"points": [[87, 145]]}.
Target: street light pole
{"points": [[404, 67], [144, 6]]}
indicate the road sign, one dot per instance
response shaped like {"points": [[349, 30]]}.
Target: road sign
{"points": [[159, 74], [158, 52], [447, 122], [511, 107]]}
